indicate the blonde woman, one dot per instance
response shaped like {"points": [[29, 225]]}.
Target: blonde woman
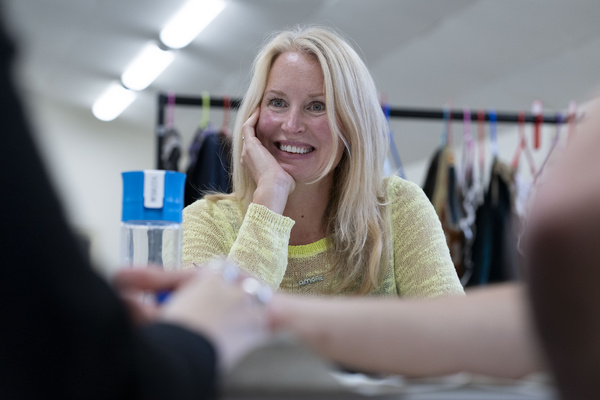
{"points": [[311, 211]]}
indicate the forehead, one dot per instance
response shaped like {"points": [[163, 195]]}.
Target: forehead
{"points": [[297, 69]]}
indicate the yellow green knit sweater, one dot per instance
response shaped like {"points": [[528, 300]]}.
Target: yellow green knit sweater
{"points": [[419, 264]]}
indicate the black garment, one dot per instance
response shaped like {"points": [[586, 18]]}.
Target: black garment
{"points": [[64, 334], [170, 144], [494, 249], [210, 165], [431, 177]]}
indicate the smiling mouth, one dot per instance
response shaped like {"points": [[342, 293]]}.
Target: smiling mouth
{"points": [[295, 149]]}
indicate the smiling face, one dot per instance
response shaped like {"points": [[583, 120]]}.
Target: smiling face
{"points": [[293, 124]]}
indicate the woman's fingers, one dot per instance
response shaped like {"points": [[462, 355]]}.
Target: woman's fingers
{"points": [[273, 183], [255, 157], [248, 128]]}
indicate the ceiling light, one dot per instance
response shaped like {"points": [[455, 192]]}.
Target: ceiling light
{"points": [[112, 102], [146, 67], [189, 21]]}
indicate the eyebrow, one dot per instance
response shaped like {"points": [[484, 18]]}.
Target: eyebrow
{"points": [[280, 93]]}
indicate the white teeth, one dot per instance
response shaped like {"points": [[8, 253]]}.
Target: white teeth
{"points": [[294, 149]]}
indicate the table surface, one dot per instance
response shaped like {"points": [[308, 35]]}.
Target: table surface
{"points": [[286, 370]]}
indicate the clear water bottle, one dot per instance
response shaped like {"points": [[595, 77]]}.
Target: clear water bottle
{"points": [[151, 232]]}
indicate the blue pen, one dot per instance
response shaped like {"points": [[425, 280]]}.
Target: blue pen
{"points": [[162, 296]]}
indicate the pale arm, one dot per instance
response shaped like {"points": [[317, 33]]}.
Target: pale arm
{"points": [[485, 332]]}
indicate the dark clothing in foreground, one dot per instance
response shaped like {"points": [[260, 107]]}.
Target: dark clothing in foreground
{"points": [[64, 333]]}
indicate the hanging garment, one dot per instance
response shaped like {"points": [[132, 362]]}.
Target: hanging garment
{"points": [[431, 177], [470, 198], [170, 150], [494, 252], [442, 190], [210, 165]]}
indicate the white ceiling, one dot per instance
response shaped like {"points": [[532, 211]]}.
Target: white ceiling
{"points": [[474, 53]]}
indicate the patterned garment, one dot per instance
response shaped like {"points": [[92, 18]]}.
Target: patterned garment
{"points": [[419, 263]]}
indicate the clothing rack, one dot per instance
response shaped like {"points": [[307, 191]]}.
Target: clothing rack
{"points": [[393, 112]]}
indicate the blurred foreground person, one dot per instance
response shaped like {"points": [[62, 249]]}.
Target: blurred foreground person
{"points": [[563, 250], [64, 333]]}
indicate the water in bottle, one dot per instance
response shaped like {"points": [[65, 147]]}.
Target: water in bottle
{"points": [[151, 232]]}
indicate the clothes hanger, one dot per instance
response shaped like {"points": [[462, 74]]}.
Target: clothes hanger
{"points": [[469, 188], [447, 130], [468, 150], [393, 148], [481, 153], [170, 140], [536, 109], [201, 130], [559, 121], [522, 146], [205, 118], [226, 115], [481, 139], [493, 133]]}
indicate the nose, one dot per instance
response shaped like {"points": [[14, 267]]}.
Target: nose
{"points": [[293, 122]]}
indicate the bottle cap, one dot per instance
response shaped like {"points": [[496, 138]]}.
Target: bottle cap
{"points": [[152, 195]]}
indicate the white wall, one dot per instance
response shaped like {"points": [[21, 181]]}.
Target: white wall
{"points": [[85, 158]]}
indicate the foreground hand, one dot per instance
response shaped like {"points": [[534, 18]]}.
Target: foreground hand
{"points": [[138, 286], [231, 318], [222, 308], [273, 183]]}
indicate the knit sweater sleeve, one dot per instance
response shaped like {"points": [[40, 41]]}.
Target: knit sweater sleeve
{"points": [[257, 242], [422, 263]]}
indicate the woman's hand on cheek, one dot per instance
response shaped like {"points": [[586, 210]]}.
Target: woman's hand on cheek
{"points": [[273, 184]]}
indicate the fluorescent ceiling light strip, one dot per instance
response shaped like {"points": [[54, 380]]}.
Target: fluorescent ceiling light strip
{"points": [[189, 21], [113, 102], [148, 65]]}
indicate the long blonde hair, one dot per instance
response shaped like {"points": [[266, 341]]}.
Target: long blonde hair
{"points": [[356, 220]]}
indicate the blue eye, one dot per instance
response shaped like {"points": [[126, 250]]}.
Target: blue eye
{"points": [[276, 103], [317, 106]]}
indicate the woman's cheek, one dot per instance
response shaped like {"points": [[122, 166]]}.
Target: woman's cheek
{"points": [[266, 125]]}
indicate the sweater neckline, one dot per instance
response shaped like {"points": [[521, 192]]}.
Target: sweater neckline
{"points": [[308, 249]]}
